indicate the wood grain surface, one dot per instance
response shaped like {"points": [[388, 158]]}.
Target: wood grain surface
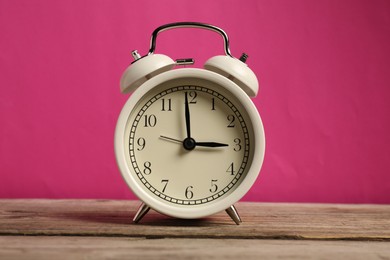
{"points": [[40, 229], [70, 247]]}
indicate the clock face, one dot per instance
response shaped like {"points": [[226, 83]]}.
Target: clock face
{"points": [[188, 142]]}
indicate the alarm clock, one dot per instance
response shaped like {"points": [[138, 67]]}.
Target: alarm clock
{"points": [[189, 142]]}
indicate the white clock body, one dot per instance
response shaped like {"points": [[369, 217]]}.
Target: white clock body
{"points": [[189, 183]]}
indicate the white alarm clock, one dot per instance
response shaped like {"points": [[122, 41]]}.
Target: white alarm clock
{"points": [[189, 142]]}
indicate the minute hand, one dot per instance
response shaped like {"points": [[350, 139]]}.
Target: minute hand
{"points": [[187, 115], [210, 144]]}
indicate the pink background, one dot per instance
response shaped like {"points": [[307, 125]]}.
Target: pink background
{"points": [[323, 66]]}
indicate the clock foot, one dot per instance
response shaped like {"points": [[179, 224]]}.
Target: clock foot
{"points": [[142, 210], [232, 212]]}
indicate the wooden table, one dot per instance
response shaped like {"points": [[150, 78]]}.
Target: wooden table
{"points": [[102, 229]]}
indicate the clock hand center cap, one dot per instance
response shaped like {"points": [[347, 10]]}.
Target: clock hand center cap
{"points": [[189, 143]]}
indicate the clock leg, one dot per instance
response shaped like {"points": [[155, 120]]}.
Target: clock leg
{"points": [[232, 212], [142, 210]]}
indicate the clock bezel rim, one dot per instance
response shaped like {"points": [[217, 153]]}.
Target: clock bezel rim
{"points": [[190, 211]]}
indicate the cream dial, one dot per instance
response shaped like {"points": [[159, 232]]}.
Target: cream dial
{"points": [[189, 144]]}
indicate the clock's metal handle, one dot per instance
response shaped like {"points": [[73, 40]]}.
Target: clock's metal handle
{"points": [[189, 25]]}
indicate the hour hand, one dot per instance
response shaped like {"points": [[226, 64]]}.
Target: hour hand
{"points": [[210, 144]]}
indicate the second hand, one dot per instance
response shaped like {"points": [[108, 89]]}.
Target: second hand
{"points": [[202, 144], [171, 139]]}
